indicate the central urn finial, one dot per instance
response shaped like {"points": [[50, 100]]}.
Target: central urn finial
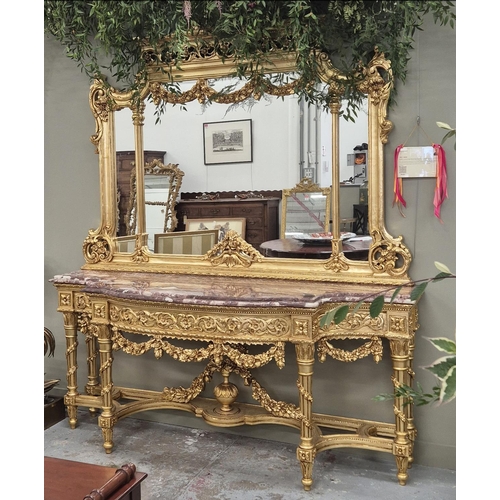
{"points": [[226, 394]]}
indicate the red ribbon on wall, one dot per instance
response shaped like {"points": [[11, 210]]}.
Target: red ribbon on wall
{"points": [[398, 183], [441, 190]]}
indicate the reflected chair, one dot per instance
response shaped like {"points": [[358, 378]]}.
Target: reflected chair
{"points": [[125, 244], [186, 242]]}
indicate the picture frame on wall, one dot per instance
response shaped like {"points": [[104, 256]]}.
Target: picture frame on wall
{"points": [[227, 142], [222, 225]]}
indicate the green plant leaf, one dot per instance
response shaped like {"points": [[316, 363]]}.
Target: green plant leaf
{"points": [[336, 315], [340, 314], [358, 305], [327, 318], [447, 136], [444, 344], [417, 292], [444, 125], [442, 366], [441, 267], [396, 293], [441, 276], [376, 306], [449, 386]]}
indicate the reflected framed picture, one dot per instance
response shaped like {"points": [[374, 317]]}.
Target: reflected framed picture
{"points": [[227, 142], [222, 225]]}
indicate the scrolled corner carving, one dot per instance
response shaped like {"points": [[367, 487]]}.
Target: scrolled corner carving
{"points": [[390, 256], [378, 79], [100, 104], [233, 251], [97, 248]]}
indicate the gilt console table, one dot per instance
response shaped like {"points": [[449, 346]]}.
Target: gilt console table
{"points": [[225, 316]]}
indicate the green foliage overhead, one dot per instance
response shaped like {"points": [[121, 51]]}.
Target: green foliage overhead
{"points": [[104, 37]]}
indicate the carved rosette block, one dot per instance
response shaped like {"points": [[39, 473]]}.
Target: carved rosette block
{"points": [[226, 394]]}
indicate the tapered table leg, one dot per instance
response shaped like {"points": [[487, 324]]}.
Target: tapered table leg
{"points": [[306, 451], [412, 431], [107, 417], [92, 386], [400, 354], [70, 332]]}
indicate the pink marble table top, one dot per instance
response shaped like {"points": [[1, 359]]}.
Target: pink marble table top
{"points": [[222, 290]]}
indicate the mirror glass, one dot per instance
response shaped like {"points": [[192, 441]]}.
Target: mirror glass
{"points": [[299, 144]]}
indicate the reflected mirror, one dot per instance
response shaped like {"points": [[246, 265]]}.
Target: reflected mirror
{"points": [[305, 210], [162, 184]]}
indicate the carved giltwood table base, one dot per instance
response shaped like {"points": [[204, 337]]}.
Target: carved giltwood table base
{"points": [[227, 315]]}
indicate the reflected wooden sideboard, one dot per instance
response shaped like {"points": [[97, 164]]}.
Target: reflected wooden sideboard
{"points": [[137, 312], [261, 213]]}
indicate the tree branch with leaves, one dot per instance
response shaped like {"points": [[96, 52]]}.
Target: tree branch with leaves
{"points": [[443, 368]]}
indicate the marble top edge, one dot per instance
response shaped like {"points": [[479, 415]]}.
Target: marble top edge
{"points": [[223, 290]]}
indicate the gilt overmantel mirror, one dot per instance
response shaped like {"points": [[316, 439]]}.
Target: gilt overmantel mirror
{"points": [[199, 79]]}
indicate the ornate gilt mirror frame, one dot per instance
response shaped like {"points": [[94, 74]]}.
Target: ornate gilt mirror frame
{"points": [[388, 258]]}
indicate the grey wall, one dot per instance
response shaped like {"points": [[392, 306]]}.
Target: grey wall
{"points": [[72, 208]]}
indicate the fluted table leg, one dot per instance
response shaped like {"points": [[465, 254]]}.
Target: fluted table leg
{"points": [[107, 418], [306, 451]]}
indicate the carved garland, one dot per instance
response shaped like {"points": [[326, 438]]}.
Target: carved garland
{"points": [[277, 408], [373, 347], [201, 91], [216, 351]]}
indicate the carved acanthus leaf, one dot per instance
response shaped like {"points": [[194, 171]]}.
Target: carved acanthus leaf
{"points": [[336, 263], [232, 251]]}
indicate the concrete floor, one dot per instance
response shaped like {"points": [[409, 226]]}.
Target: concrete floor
{"points": [[192, 464]]}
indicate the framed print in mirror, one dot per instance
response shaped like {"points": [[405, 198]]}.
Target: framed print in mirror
{"points": [[227, 142], [223, 225]]}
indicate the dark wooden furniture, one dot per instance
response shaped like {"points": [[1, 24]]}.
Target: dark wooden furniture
{"points": [[69, 480], [125, 162], [54, 411], [291, 248], [261, 214]]}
